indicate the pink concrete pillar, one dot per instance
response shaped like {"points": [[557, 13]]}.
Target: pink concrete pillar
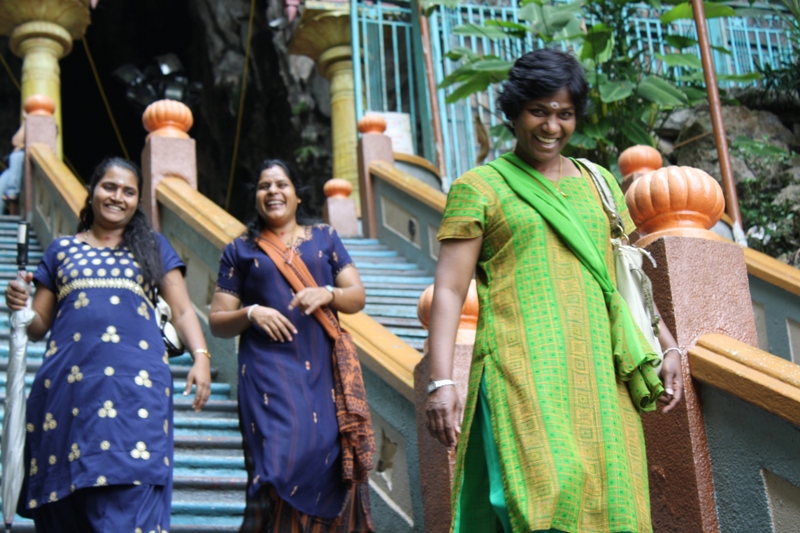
{"points": [[673, 208], [373, 146], [40, 128], [168, 151], [435, 461], [339, 210]]}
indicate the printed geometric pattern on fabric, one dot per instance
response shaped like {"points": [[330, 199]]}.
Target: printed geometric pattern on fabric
{"points": [[570, 443]]}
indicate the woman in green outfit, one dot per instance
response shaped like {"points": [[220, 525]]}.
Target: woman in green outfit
{"points": [[551, 438]]}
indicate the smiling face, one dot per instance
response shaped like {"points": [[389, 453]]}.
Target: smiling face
{"points": [[115, 198], [544, 127], [276, 198]]}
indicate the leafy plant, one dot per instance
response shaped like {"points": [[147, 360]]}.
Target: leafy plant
{"points": [[627, 96]]}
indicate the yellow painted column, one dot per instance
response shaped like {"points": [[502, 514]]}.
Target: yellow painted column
{"points": [[337, 66], [324, 36], [41, 44]]}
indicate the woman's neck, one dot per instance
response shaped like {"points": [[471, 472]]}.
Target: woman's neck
{"points": [[550, 169], [287, 232], [101, 237]]}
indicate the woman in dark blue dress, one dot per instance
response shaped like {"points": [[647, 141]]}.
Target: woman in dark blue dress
{"points": [[100, 409], [286, 377]]}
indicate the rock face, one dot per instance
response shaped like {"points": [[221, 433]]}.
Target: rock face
{"points": [[286, 112], [695, 146], [767, 174]]}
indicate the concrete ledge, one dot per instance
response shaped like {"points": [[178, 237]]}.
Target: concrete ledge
{"points": [[753, 375], [59, 177], [415, 188], [206, 217], [772, 271], [383, 352]]}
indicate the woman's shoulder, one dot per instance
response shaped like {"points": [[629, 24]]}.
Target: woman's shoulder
{"points": [[239, 244], [483, 180], [62, 243], [323, 231]]}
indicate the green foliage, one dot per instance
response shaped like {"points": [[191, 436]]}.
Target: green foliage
{"points": [[627, 98], [684, 11], [772, 227]]}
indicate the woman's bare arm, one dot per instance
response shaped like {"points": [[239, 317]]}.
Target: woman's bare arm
{"points": [[173, 290], [454, 271]]}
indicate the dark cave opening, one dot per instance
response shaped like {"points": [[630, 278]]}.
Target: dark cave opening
{"points": [[120, 33]]}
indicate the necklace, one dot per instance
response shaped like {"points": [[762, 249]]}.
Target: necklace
{"points": [[560, 166]]}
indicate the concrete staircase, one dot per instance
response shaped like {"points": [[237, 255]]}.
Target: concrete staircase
{"points": [[209, 480], [393, 285]]}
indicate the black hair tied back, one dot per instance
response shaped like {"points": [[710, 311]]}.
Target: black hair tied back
{"points": [[139, 236]]}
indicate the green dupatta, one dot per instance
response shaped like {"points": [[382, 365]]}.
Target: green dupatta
{"points": [[632, 362]]}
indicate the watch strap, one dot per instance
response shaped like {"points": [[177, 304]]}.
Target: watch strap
{"points": [[439, 383]]}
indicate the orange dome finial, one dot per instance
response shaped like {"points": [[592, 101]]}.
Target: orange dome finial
{"points": [[337, 188], [678, 201], [168, 118], [39, 104], [469, 311], [372, 123]]}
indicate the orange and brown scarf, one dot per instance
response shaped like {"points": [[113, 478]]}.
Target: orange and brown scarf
{"points": [[352, 410]]}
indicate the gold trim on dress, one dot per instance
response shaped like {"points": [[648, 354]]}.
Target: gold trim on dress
{"points": [[95, 283]]}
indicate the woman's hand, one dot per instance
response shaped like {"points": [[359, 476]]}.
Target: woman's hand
{"points": [[17, 293], [672, 376], [200, 377], [273, 322], [311, 298], [443, 411]]}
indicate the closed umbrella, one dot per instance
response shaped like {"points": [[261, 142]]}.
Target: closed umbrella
{"points": [[14, 421]]}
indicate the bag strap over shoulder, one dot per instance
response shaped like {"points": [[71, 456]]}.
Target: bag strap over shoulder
{"points": [[606, 196]]}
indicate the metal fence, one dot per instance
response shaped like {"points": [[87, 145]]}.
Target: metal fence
{"points": [[390, 76]]}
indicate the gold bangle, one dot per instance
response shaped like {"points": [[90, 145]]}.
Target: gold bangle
{"points": [[202, 350]]}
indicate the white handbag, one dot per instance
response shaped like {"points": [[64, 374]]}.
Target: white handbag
{"points": [[172, 342], [632, 282]]}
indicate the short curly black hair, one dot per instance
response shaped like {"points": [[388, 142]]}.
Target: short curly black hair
{"points": [[540, 74]]}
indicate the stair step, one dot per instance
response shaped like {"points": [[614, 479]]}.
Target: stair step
{"points": [[403, 311], [388, 321], [401, 279]]}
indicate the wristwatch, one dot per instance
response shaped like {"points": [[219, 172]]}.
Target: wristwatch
{"points": [[439, 383], [330, 289]]}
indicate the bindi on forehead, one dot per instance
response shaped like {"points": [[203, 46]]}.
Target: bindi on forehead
{"points": [[555, 105]]}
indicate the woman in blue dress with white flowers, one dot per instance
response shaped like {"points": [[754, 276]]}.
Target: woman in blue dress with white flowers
{"points": [[100, 441]]}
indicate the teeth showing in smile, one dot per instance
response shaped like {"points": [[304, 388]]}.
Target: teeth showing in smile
{"points": [[547, 141], [114, 207]]}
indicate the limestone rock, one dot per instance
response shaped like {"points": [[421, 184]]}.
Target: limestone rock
{"points": [[695, 145]]}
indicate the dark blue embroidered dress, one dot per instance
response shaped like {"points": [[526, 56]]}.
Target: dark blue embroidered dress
{"points": [[100, 408], [286, 388]]}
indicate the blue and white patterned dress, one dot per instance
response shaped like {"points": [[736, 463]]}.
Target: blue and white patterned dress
{"points": [[100, 408]]}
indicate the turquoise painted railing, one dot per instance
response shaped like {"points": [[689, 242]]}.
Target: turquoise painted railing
{"points": [[391, 76]]}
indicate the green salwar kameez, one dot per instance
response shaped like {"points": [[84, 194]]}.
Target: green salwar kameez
{"points": [[569, 448]]}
